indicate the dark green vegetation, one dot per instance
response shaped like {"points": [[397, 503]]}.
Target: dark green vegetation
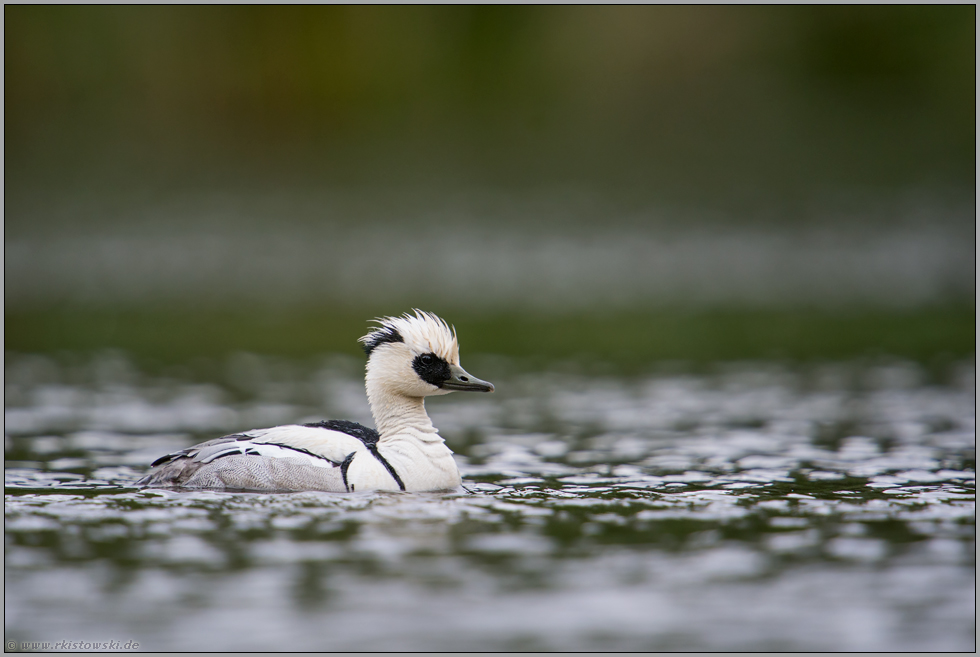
{"points": [[729, 107], [630, 340], [209, 120]]}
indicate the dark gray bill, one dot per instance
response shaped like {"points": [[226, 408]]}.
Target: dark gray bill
{"points": [[460, 380]]}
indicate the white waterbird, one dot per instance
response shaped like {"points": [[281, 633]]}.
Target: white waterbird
{"points": [[409, 358]]}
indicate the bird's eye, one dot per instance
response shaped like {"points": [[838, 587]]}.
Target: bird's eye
{"points": [[426, 359]]}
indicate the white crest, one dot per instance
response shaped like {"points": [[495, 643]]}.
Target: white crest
{"points": [[422, 333]]}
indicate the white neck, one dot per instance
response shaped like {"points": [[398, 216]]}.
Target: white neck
{"points": [[408, 440], [396, 414]]}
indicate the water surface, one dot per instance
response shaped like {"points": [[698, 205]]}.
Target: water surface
{"points": [[748, 506]]}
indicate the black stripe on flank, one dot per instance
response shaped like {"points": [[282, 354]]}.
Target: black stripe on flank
{"points": [[398, 480], [343, 469], [381, 336], [367, 436], [432, 369], [251, 451]]}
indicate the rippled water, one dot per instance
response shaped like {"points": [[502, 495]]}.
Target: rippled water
{"points": [[754, 506]]}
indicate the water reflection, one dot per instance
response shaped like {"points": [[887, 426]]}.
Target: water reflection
{"points": [[753, 507]]}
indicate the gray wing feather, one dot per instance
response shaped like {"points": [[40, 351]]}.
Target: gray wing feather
{"points": [[232, 463], [203, 450], [265, 473]]}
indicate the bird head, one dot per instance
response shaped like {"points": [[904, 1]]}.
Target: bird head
{"points": [[417, 356]]}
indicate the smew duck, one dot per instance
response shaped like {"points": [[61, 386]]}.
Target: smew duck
{"points": [[410, 357]]}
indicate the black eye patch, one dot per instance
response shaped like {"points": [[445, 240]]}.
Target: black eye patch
{"points": [[431, 369]]}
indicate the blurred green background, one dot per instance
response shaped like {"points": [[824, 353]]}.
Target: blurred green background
{"points": [[628, 183]]}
